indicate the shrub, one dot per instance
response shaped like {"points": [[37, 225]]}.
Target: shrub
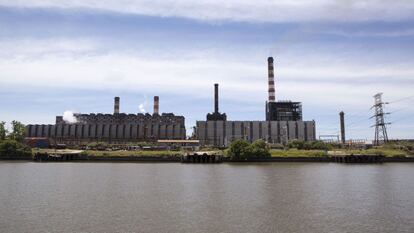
{"points": [[319, 145], [239, 150], [259, 149], [243, 150], [12, 148], [298, 144]]}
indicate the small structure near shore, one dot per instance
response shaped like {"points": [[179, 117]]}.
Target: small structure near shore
{"points": [[202, 157], [58, 155]]}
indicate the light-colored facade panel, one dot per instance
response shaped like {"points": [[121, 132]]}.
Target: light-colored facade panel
{"points": [[292, 130]]}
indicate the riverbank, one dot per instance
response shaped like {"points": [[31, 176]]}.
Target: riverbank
{"points": [[292, 155], [177, 159]]}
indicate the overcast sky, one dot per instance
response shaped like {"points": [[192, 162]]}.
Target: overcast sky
{"points": [[330, 55]]}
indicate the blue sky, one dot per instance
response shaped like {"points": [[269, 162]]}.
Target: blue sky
{"points": [[330, 55]]}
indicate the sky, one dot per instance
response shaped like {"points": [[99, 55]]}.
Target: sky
{"points": [[77, 55]]}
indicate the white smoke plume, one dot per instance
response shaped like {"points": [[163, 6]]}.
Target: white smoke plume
{"points": [[142, 108], [143, 105], [69, 117]]}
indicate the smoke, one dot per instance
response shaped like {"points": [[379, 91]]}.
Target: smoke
{"points": [[69, 117], [143, 105], [142, 108]]}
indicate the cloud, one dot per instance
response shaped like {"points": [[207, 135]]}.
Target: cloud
{"points": [[190, 73], [242, 10]]}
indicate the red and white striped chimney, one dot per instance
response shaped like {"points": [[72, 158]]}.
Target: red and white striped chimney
{"points": [[271, 80]]}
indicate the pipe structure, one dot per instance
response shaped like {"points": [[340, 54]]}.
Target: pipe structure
{"points": [[216, 98], [342, 122], [271, 75], [156, 105], [116, 105]]}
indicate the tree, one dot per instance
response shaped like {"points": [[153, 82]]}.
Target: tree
{"points": [[18, 131], [239, 150], [243, 150], [259, 149], [3, 131], [12, 148]]}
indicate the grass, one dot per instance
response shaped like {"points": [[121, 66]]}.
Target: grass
{"points": [[137, 153], [297, 153], [380, 151], [389, 152], [120, 153]]}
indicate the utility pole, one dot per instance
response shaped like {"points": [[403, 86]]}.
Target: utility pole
{"points": [[381, 135]]}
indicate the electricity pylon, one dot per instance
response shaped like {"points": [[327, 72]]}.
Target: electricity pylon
{"points": [[381, 135]]}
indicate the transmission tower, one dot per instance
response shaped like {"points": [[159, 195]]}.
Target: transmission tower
{"points": [[381, 135]]}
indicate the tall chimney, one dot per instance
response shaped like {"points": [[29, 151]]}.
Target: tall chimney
{"points": [[116, 105], [271, 80], [156, 105], [342, 122], [216, 98]]}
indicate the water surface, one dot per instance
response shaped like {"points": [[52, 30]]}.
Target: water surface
{"points": [[154, 197]]}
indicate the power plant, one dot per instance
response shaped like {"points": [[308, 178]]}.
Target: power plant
{"points": [[113, 128], [283, 123]]}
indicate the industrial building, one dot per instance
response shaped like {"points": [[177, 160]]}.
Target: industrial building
{"points": [[283, 122], [113, 128]]}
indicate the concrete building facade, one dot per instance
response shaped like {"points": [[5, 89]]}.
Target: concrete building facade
{"points": [[108, 128], [222, 133], [112, 128]]}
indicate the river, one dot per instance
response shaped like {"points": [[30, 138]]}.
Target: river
{"points": [[173, 197]]}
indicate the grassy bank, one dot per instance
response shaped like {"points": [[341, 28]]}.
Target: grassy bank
{"points": [[274, 153], [119, 153], [321, 153], [298, 153], [162, 153], [380, 151]]}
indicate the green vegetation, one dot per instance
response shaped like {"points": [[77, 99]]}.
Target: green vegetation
{"points": [[12, 148], [314, 145], [378, 151], [118, 153], [18, 131], [243, 150], [11, 143], [3, 131], [298, 153], [138, 153]]}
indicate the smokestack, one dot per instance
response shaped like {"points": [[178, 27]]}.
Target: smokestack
{"points": [[116, 105], [271, 80], [216, 100], [342, 121], [156, 105]]}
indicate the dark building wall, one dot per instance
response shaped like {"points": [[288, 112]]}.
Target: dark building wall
{"points": [[110, 128], [283, 111], [222, 133]]}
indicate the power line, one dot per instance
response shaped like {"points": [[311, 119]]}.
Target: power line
{"points": [[402, 99]]}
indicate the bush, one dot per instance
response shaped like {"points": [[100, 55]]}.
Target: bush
{"points": [[12, 148], [239, 150], [319, 145], [243, 150], [298, 144], [314, 145], [259, 149]]}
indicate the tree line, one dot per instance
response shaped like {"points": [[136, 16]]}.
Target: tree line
{"points": [[11, 143]]}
